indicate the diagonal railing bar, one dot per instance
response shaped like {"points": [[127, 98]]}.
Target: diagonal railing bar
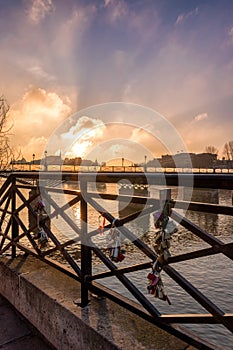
{"points": [[127, 283], [199, 253], [71, 261], [62, 245], [5, 234], [127, 233], [26, 202], [124, 220], [198, 296], [122, 270], [66, 255], [63, 251], [5, 211], [205, 236], [63, 215], [12, 242], [6, 195], [187, 286], [42, 222], [49, 261], [5, 185], [27, 232], [64, 207]]}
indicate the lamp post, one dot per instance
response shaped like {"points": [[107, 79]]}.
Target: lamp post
{"points": [[32, 163], [45, 161], [145, 164]]}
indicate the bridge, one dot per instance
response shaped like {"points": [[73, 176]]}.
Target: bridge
{"points": [[117, 168], [21, 190]]}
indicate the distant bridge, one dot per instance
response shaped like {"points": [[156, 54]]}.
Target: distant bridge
{"points": [[115, 168]]}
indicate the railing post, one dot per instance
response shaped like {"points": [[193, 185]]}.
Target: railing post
{"points": [[164, 196], [86, 263], [14, 224]]}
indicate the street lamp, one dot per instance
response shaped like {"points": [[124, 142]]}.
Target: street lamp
{"points": [[145, 163], [32, 163], [45, 161]]}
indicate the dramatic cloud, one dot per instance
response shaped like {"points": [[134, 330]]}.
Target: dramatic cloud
{"points": [[116, 50], [35, 117]]}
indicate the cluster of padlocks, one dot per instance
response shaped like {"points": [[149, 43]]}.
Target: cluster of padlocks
{"points": [[166, 227], [114, 239], [40, 235]]}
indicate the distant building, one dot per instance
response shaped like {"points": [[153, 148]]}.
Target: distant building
{"points": [[186, 160], [52, 160], [19, 161]]}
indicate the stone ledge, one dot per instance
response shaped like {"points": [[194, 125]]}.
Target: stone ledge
{"points": [[44, 296]]}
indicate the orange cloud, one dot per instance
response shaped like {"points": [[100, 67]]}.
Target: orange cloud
{"points": [[35, 116]]}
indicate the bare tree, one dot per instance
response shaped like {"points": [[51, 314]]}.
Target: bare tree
{"points": [[211, 149], [7, 154], [228, 150]]}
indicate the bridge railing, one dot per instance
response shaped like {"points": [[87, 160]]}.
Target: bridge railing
{"points": [[17, 235]]}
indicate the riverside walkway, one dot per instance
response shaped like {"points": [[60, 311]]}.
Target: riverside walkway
{"points": [[15, 331]]}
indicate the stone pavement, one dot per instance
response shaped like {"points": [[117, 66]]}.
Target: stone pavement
{"points": [[16, 333]]}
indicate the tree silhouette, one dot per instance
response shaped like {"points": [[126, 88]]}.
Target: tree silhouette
{"points": [[211, 149], [228, 150], [6, 152]]}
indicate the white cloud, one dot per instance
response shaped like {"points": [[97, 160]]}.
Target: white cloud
{"points": [[40, 73], [82, 136], [39, 9], [200, 117], [184, 16]]}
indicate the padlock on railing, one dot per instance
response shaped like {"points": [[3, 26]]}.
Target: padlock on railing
{"points": [[113, 239]]}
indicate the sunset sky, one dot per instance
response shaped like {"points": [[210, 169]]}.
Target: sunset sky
{"points": [[173, 56]]}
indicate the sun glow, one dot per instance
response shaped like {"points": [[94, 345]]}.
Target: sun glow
{"points": [[80, 148]]}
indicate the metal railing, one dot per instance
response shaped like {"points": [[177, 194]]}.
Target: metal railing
{"points": [[16, 235]]}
